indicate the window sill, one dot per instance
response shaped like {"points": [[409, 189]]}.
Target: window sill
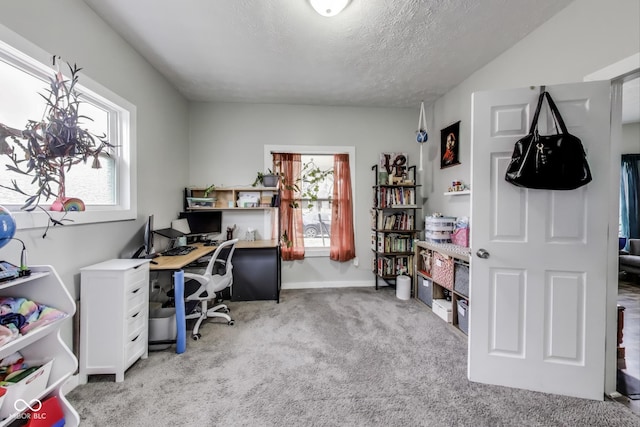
{"points": [[316, 252], [40, 219]]}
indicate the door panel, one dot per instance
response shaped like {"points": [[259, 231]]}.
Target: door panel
{"points": [[507, 326], [508, 203], [564, 317], [539, 299], [567, 228]]}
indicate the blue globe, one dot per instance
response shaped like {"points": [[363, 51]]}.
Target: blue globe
{"points": [[7, 226]]}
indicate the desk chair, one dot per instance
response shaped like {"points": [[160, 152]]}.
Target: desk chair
{"points": [[202, 288]]}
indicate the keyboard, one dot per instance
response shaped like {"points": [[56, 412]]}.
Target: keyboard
{"points": [[180, 250]]}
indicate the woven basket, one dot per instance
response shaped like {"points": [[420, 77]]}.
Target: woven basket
{"points": [[442, 270]]}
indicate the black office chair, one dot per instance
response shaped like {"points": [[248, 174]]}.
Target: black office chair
{"points": [[202, 288]]}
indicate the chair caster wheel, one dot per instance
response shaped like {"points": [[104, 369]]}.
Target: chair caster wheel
{"points": [[231, 322], [227, 310], [196, 337]]}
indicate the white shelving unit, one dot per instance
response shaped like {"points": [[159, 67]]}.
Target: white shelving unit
{"points": [[44, 286]]}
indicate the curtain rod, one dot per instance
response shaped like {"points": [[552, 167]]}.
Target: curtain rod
{"points": [[309, 153]]}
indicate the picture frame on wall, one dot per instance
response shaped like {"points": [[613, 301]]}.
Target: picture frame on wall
{"points": [[449, 145]]}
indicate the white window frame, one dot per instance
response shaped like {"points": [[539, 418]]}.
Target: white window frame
{"points": [[311, 252], [26, 55]]}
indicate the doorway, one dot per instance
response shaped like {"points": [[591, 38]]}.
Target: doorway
{"points": [[628, 364]]}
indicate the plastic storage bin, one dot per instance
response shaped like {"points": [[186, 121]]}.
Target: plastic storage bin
{"points": [[442, 308], [425, 290], [162, 327], [28, 389], [463, 316], [437, 236], [461, 278], [201, 202], [439, 223]]}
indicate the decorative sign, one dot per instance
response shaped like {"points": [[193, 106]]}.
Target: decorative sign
{"points": [[393, 166]]}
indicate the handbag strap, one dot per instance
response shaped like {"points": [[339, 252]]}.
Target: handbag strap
{"points": [[554, 113]]}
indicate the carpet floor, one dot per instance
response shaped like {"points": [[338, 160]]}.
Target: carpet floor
{"points": [[325, 357]]}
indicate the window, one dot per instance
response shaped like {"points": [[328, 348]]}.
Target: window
{"points": [[316, 214], [106, 192]]}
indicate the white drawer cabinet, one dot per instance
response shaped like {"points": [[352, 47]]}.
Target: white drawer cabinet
{"points": [[114, 316]]}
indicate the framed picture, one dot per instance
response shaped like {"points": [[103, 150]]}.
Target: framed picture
{"points": [[449, 144]]}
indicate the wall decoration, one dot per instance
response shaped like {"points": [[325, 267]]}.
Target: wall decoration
{"points": [[449, 143], [394, 165]]}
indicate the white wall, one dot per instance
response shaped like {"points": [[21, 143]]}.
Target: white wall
{"points": [[630, 138], [70, 29], [226, 148], [584, 37]]}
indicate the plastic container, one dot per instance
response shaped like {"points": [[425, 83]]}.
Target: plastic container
{"points": [[437, 236], [203, 202], [27, 389], [162, 327], [403, 287], [442, 223], [442, 308]]}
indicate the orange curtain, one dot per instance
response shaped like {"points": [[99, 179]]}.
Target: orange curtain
{"points": [[290, 166], [343, 246]]}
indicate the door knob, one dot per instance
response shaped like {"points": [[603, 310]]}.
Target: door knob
{"points": [[482, 253]]}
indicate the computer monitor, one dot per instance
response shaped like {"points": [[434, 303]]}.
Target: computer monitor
{"points": [[203, 222], [146, 250], [148, 236]]}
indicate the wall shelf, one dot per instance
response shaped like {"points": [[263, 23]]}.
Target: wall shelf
{"points": [[227, 198], [457, 193]]}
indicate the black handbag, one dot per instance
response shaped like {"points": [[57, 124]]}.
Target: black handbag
{"points": [[549, 162]]}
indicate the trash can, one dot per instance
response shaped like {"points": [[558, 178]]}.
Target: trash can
{"points": [[403, 287], [162, 327]]}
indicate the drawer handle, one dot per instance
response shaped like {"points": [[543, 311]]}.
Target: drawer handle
{"points": [[136, 315], [138, 336], [136, 291]]}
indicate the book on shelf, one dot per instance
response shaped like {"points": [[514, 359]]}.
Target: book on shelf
{"points": [[399, 221], [395, 197]]}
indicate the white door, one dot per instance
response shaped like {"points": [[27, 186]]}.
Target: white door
{"points": [[538, 302]]}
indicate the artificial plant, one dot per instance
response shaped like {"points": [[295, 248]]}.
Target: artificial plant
{"points": [[52, 145]]}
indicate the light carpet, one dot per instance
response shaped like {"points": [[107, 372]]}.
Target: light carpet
{"points": [[327, 357]]}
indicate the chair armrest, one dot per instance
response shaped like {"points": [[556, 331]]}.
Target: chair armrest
{"points": [[202, 281], [197, 277]]}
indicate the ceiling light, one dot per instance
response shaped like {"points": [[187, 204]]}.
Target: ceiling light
{"points": [[329, 7]]}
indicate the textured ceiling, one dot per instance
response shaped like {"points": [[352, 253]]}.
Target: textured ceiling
{"points": [[391, 53]]}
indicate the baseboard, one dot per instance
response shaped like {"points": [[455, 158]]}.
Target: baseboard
{"points": [[322, 285]]}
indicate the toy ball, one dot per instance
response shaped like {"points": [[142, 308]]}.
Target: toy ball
{"points": [[7, 226], [422, 136]]}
